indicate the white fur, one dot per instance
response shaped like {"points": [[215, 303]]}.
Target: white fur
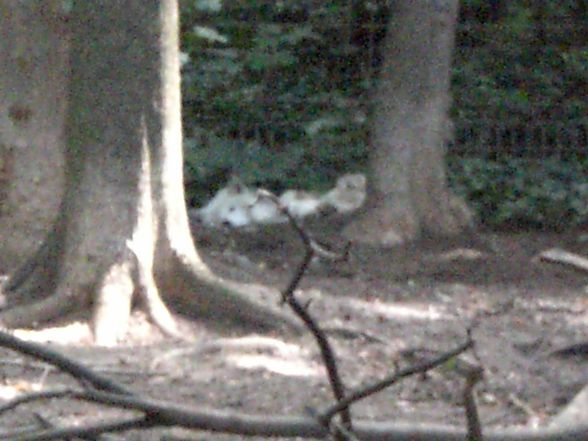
{"points": [[300, 203], [348, 195], [266, 211], [230, 205], [239, 206]]}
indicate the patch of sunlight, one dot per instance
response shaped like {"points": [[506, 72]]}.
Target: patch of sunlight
{"points": [[257, 343], [72, 333], [281, 366], [579, 320], [13, 390], [406, 311], [271, 354]]}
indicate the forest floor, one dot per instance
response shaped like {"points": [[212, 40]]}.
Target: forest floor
{"points": [[410, 303]]}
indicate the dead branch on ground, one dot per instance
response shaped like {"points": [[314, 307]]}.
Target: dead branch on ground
{"points": [[165, 414]]}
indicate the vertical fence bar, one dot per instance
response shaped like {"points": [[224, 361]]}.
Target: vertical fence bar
{"points": [[539, 139]]}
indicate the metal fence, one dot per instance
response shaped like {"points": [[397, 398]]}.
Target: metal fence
{"points": [[539, 139]]}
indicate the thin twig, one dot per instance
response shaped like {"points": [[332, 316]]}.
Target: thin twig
{"points": [[85, 431], [422, 367], [533, 417], [34, 396], [340, 431], [166, 414], [326, 350], [309, 243], [104, 368], [473, 374], [20, 430]]}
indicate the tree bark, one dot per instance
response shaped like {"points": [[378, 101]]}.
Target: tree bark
{"points": [[409, 193], [33, 88], [123, 227]]}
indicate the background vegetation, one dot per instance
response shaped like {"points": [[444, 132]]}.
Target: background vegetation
{"points": [[277, 93]]}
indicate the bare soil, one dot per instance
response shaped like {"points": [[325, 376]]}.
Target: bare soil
{"points": [[411, 303]]}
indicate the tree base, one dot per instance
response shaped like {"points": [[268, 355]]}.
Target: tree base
{"points": [[187, 283], [388, 225]]}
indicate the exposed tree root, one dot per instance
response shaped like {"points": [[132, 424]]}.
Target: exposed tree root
{"points": [[32, 314], [379, 225], [38, 271], [386, 223], [147, 287], [199, 292], [112, 305], [185, 281]]}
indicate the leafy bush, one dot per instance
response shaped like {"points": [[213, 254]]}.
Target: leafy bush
{"points": [[528, 61], [521, 193]]}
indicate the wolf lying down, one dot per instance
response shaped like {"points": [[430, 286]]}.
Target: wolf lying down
{"points": [[239, 206]]}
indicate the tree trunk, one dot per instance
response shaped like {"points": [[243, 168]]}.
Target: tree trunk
{"points": [[33, 87], [409, 193], [123, 227]]}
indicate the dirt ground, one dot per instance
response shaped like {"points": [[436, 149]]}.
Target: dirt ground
{"points": [[411, 303]]}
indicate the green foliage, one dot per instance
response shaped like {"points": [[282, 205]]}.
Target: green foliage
{"points": [[520, 193], [527, 62], [265, 97], [276, 93]]}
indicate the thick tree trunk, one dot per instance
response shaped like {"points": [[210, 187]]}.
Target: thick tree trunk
{"points": [[33, 87], [409, 193], [123, 227]]}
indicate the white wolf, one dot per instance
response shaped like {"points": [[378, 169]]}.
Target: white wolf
{"points": [[348, 195], [229, 206], [238, 205]]}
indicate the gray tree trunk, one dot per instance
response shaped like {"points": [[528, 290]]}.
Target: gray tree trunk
{"points": [[409, 193], [33, 87], [123, 227]]}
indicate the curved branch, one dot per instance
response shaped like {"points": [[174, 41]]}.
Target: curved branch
{"points": [[86, 431], [160, 413], [40, 311], [366, 391], [221, 421]]}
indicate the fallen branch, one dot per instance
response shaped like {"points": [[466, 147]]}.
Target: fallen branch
{"points": [[86, 431], [35, 396], [164, 414]]}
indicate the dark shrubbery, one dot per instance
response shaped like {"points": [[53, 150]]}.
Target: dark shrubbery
{"points": [[522, 193], [272, 94], [277, 94]]}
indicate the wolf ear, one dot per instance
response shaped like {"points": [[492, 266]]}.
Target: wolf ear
{"points": [[353, 181], [236, 184]]}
